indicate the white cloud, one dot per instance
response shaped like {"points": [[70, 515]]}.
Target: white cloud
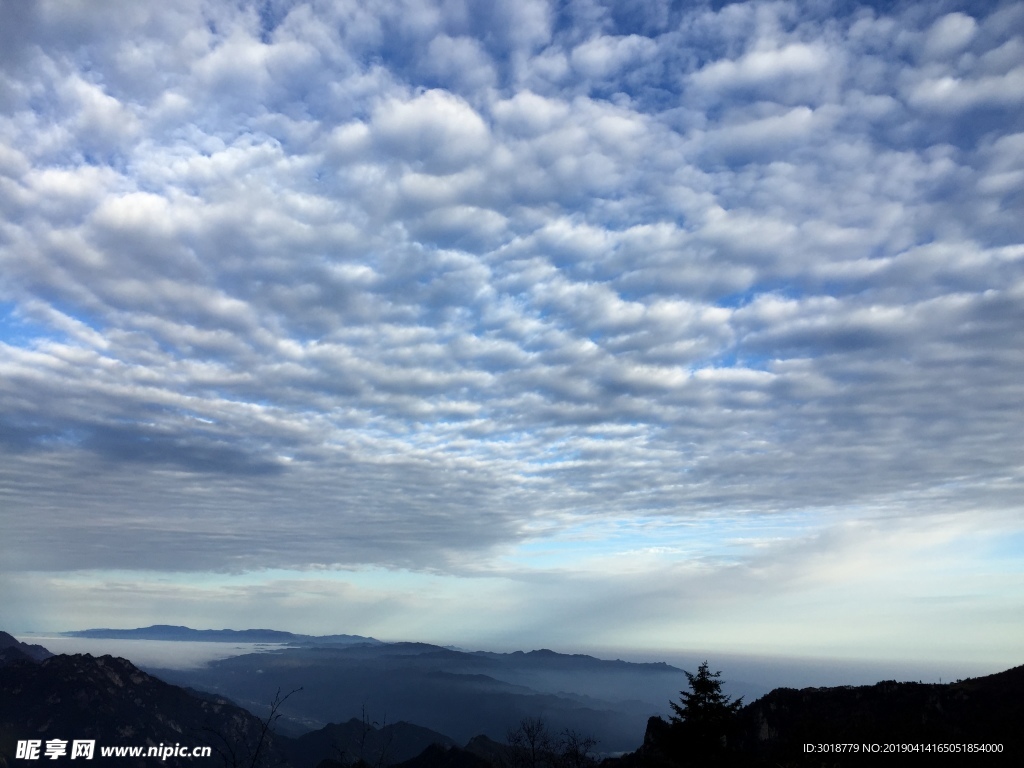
{"points": [[417, 286], [949, 35], [461, 62], [528, 113], [759, 67], [435, 129], [606, 55], [953, 94]]}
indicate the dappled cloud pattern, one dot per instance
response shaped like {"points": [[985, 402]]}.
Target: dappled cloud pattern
{"points": [[412, 284]]}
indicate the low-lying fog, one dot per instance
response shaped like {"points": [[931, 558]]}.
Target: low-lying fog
{"points": [[744, 675], [166, 654]]}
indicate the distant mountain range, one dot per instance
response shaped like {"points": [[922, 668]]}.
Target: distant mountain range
{"points": [[458, 693], [111, 701], [108, 699], [168, 632]]}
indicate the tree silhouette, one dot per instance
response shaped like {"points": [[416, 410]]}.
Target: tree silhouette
{"points": [[574, 750], [704, 714], [530, 744], [225, 744]]}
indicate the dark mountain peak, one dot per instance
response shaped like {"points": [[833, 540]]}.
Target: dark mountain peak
{"points": [[415, 647], [13, 650], [438, 756], [7, 640], [342, 639], [495, 752], [360, 742]]}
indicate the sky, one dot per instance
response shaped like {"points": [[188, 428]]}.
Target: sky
{"points": [[517, 324]]}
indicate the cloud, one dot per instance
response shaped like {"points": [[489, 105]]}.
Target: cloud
{"points": [[421, 286], [604, 56], [956, 95], [435, 129], [949, 35], [460, 62], [759, 68]]}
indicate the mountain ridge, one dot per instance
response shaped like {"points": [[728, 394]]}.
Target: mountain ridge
{"points": [[113, 701], [459, 693], [12, 650], [172, 632]]}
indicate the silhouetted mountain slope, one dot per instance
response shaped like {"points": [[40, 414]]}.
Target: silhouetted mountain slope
{"points": [[773, 730], [12, 650], [112, 701], [437, 756], [13, 655], [169, 632], [981, 710], [489, 750], [358, 740]]}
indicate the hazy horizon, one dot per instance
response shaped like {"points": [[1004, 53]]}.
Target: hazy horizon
{"points": [[519, 323], [745, 674]]}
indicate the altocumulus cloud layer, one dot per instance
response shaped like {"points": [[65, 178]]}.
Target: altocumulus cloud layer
{"points": [[679, 309]]}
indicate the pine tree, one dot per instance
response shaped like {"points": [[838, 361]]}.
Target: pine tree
{"points": [[703, 715]]}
